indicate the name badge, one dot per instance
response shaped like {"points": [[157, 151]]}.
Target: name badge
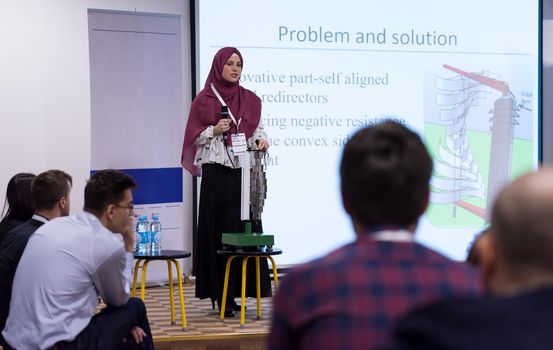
{"points": [[239, 144]]}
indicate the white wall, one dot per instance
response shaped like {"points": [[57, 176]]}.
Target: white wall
{"points": [[45, 87]]}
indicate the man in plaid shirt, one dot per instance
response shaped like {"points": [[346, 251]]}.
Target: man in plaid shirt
{"points": [[351, 298]]}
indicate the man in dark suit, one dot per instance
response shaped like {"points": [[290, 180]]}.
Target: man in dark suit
{"points": [[352, 297], [516, 259], [50, 193]]}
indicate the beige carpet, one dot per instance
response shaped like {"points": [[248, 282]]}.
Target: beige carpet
{"points": [[202, 320], [204, 329]]}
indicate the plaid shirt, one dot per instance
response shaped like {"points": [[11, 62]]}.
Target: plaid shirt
{"points": [[351, 298]]}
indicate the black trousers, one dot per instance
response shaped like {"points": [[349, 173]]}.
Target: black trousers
{"points": [[220, 212], [110, 329]]}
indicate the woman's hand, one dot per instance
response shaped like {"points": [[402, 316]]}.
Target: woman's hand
{"points": [[222, 126], [263, 145]]}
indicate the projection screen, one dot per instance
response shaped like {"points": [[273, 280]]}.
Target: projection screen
{"points": [[464, 75]]}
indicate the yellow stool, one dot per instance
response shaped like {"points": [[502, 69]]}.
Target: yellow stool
{"points": [[169, 256], [245, 256]]}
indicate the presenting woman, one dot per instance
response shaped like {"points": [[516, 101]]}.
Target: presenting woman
{"points": [[208, 152]]}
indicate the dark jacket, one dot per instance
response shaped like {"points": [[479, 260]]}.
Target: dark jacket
{"points": [[521, 322]]}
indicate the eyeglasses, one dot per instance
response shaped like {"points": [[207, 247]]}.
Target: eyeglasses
{"points": [[129, 206]]}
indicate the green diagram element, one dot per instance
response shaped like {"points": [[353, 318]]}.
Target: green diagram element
{"points": [[474, 146], [451, 215]]}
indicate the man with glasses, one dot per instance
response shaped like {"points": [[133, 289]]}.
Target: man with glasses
{"points": [[70, 262]]}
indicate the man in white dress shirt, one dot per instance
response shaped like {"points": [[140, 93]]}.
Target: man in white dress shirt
{"points": [[70, 262], [50, 197]]}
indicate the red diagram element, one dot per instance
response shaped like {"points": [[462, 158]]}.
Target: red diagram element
{"points": [[498, 85], [476, 210]]}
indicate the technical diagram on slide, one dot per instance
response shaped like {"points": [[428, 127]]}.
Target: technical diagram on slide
{"points": [[473, 150]]}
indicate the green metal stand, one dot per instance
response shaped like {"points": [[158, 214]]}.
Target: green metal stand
{"points": [[248, 238]]}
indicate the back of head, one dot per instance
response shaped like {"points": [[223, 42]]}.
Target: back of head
{"points": [[18, 197], [522, 224], [385, 172], [106, 187], [49, 187]]}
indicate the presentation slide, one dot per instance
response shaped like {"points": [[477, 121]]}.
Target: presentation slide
{"points": [[462, 74]]}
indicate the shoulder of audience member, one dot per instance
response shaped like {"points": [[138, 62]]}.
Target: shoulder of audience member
{"points": [[309, 272], [431, 324], [458, 273], [439, 260], [15, 234], [443, 307]]}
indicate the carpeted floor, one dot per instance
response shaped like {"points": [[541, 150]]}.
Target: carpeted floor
{"points": [[201, 318], [204, 329]]}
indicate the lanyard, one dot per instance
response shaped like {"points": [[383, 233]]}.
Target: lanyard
{"points": [[224, 104]]}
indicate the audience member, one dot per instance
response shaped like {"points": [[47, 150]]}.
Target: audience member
{"points": [[50, 195], [67, 264], [516, 258], [351, 298], [18, 201]]}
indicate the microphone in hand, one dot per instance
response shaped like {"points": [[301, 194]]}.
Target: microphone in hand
{"points": [[224, 112], [224, 115]]}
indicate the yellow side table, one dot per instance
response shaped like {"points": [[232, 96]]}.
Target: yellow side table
{"points": [[169, 256], [266, 254]]}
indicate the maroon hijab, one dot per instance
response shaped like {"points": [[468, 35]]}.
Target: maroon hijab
{"points": [[206, 108]]}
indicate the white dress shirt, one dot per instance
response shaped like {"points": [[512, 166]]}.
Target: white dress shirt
{"points": [[67, 263]]}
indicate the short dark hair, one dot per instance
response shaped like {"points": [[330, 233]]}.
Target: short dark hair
{"points": [[106, 187], [18, 197], [49, 187], [385, 174]]}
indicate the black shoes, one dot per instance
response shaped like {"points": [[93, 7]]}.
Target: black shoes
{"points": [[231, 307], [234, 306], [229, 313]]}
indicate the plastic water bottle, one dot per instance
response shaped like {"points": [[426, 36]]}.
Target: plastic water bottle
{"points": [[155, 230], [143, 235]]}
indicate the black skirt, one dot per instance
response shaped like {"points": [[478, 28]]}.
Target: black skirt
{"points": [[220, 212]]}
